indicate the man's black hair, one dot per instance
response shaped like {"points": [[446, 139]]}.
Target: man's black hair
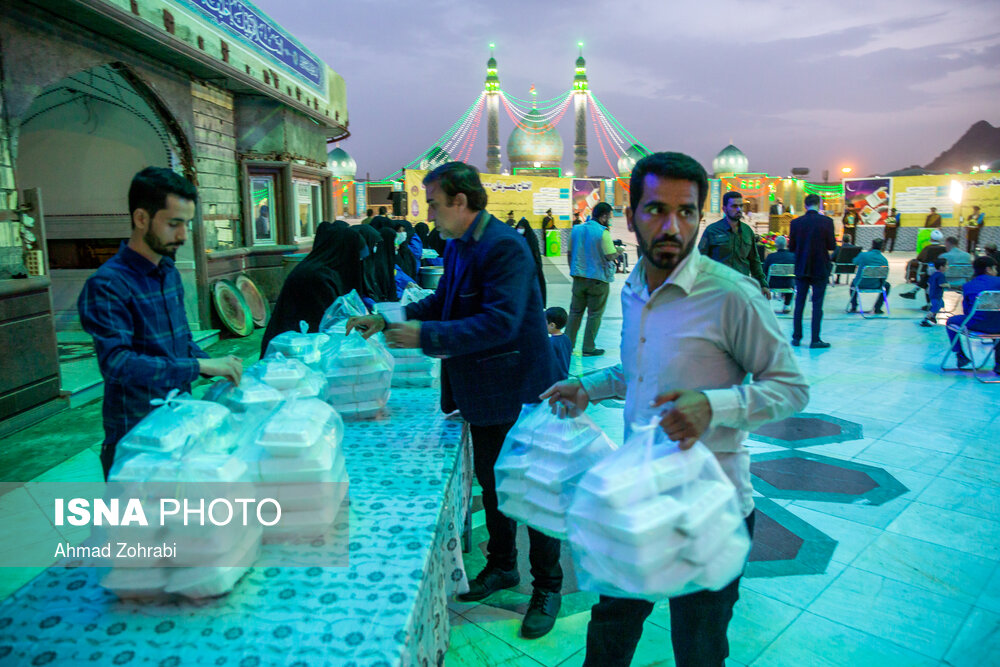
{"points": [[455, 178], [151, 186], [732, 194], [951, 240], [369, 213], [667, 165], [940, 263], [557, 316], [601, 210], [812, 199], [382, 210], [877, 244], [980, 264]]}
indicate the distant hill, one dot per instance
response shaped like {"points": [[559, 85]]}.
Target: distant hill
{"points": [[979, 145]]}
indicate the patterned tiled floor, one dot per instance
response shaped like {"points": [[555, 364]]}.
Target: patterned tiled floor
{"points": [[878, 528]]}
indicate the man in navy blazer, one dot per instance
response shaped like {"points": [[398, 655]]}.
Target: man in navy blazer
{"points": [[487, 323], [812, 239]]}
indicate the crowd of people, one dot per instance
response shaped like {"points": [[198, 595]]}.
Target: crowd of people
{"points": [[701, 351]]}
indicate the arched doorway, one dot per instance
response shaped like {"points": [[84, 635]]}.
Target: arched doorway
{"points": [[80, 142]]}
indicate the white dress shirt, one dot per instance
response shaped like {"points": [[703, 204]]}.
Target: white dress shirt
{"points": [[706, 328]]}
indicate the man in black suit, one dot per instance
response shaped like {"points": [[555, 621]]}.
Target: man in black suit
{"points": [[487, 323], [811, 238]]}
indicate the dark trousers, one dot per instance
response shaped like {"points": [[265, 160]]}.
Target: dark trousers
{"points": [[592, 296], [879, 302], [501, 550], [698, 624], [108, 456], [850, 233], [802, 287], [890, 238], [971, 239]]}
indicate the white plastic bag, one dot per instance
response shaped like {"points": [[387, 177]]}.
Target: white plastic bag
{"points": [[540, 462], [177, 418], [335, 318], [653, 521], [358, 373], [250, 395]]}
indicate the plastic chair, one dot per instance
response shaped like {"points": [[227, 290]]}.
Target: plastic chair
{"points": [[781, 271], [986, 302], [956, 276], [843, 261], [621, 262], [870, 281]]}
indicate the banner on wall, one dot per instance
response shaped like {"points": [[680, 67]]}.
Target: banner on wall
{"points": [[609, 191], [360, 199], [869, 197], [913, 197], [527, 196], [714, 196], [586, 195]]}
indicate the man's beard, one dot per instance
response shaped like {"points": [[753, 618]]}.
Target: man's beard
{"points": [[671, 261], [158, 246]]}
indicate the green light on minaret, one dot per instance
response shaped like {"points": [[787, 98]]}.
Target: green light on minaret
{"points": [[580, 79], [492, 80]]}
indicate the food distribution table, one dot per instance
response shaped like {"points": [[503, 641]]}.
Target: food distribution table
{"points": [[410, 477]]}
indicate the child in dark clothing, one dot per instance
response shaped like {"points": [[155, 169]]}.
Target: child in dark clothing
{"points": [[935, 291], [561, 344]]}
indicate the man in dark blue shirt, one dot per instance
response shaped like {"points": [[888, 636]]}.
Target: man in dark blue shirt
{"points": [[984, 279], [133, 306], [487, 323]]}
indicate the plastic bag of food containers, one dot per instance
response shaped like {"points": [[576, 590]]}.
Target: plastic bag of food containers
{"points": [[300, 345], [653, 521], [413, 368], [541, 461], [252, 393], [358, 374]]}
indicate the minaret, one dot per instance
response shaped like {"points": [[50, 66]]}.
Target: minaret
{"points": [[580, 96], [492, 116]]}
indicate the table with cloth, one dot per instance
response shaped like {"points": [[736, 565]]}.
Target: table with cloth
{"points": [[410, 477]]}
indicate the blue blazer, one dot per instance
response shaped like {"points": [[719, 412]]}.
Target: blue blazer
{"points": [[811, 238], [487, 323]]}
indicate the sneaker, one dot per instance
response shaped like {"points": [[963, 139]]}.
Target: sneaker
{"points": [[596, 352], [926, 323], [962, 361], [819, 345], [785, 311], [852, 309], [909, 295], [541, 614], [489, 581], [796, 342]]}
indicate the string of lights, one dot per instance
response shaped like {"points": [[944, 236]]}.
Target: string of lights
{"points": [[593, 118], [610, 132], [470, 141], [625, 133], [557, 111], [543, 104], [443, 139]]}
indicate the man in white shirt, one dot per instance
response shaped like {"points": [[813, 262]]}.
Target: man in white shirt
{"points": [[693, 331]]}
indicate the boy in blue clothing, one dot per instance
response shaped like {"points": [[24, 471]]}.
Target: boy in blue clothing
{"points": [[935, 291], [561, 344]]}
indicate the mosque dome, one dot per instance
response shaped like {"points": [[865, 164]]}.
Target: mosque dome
{"points": [[534, 140], [730, 160], [434, 158], [341, 165], [627, 161]]}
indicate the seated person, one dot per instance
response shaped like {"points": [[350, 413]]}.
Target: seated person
{"points": [[984, 279], [935, 291], [873, 257], [914, 272], [621, 261], [954, 254], [990, 250], [781, 255], [844, 254]]}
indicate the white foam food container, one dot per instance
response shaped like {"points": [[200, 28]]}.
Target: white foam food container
{"points": [[251, 394], [211, 581], [708, 503], [308, 467], [299, 345], [136, 582], [308, 495], [195, 467], [295, 426], [636, 524], [645, 555], [355, 393], [168, 427], [362, 409], [653, 478], [358, 374], [283, 373], [304, 524], [728, 563], [311, 386]]}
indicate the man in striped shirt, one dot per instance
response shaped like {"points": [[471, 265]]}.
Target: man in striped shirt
{"points": [[133, 306]]}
